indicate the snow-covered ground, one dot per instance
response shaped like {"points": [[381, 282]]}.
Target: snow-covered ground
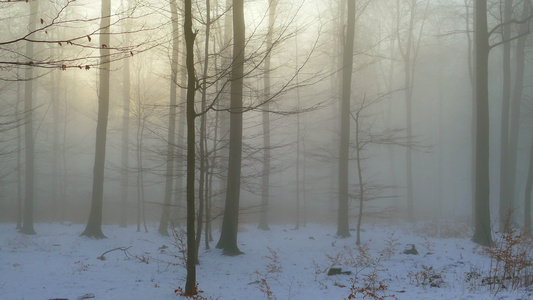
{"points": [[292, 264]]}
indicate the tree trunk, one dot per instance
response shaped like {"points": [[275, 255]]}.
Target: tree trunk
{"points": [[169, 174], [408, 60], [470, 62], [336, 88], [94, 225], [482, 233], [225, 101], [55, 144], [409, 55], [141, 122], [265, 180], [505, 201], [190, 284], [202, 193], [138, 152], [527, 200], [304, 182], [19, 158], [124, 155], [64, 159], [27, 226], [358, 149], [141, 173], [182, 123], [390, 102], [343, 227], [441, 129], [230, 222], [298, 132], [518, 91]]}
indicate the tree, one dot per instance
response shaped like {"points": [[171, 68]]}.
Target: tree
{"points": [[265, 183], [298, 137], [482, 233], [126, 93], [171, 134], [19, 158], [190, 284], [470, 65], [142, 112], [203, 195], [29, 141], [527, 200], [358, 149], [505, 202], [515, 106], [365, 136], [94, 224], [343, 227], [228, 233], [409, 52]]}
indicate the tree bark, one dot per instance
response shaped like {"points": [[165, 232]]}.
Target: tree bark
{"points": [[471, 75], [27, 226], [230, 222], [179, 194], [527, 200], [124, 155], [518, 90], [265, 180], [55, 144], [19, 158], [142, 114], [190, 284], [343, 227], [94, 225], [225, 101], [171, 134], [408, 61], [358, 149], [298, 132], [505, 201], [409, 116], [482, 233], [202, 191]]}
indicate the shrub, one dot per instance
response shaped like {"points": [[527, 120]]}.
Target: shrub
{"points": [[371, 288], [428, 276], [511, 261]]}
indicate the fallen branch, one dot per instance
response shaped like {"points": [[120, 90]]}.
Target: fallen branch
{"points": [[89, 295], [123, 249]]}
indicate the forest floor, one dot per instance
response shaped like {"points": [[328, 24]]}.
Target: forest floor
{"points": [[278, 264]]}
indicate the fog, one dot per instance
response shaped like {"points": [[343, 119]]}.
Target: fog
{"points": [[306, 75]]}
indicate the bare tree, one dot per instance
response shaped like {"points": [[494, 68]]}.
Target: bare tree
{"points": [[505, 203], [29, 141], [343, 227], [515, 106], [190, 284], [94, 224], [409, 48], [171, 134], [126, 95], [265, 183], [482, 233], [527, 200], [203, 195], [228, 233], [365, 137]]}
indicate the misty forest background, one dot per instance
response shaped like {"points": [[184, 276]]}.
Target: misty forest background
{"points": [[275, 111]]}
